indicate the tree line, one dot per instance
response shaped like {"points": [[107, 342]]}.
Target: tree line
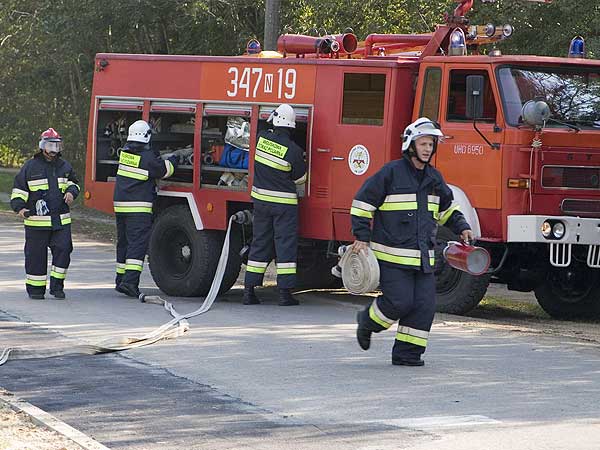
{"points": [[47, 47]]}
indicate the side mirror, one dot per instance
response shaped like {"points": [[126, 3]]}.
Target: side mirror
{"points": [[475, 96], [535, 112]]}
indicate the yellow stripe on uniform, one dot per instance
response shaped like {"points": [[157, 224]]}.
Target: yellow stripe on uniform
{"points": [[58, 272], [256, 266], [132, 207], [36, 280], [19, 193], [362, 209], [377, 316], [272, 161], [132, 172], [286, 268], [134, 264], [412, 336], [38, 221], [445, 215], [399, 202], [267, 195], [38, 185]]}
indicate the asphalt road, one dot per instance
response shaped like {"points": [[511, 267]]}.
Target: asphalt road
{"points": [[267, 377]]}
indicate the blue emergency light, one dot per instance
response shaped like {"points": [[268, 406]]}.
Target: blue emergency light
{"points": [[577, 47], [457, 45]]}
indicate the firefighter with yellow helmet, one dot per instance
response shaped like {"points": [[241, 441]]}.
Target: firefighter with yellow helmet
{"points": [[406, 200]]}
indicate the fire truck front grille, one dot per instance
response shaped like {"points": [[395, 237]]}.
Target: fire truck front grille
{"points": [[590, 208], [565, 177]]}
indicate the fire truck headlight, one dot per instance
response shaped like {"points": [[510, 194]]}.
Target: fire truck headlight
{"points": [[546, 229], [490, 29], [507, 30], [558, 230]]}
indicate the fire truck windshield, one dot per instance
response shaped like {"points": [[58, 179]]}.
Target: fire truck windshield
{"points": [[573, 94]]}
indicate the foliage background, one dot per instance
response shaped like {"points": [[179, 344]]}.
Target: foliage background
{"points": [[47, 47]]}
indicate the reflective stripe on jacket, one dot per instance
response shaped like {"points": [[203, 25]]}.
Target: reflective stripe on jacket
{"points": [[405, 214], [40, 179], [278, 166], [139, 168]]}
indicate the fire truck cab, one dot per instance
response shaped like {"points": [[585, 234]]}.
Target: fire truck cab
{"points": [[521, 152]]}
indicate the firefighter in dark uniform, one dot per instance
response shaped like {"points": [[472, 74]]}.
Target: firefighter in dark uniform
{"points": [[407, 200], [43, 191], [135, 191], [278, 169]]}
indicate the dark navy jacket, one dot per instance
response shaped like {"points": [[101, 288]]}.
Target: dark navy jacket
{"points": [[278, 166], [405, 213], [40, 179], [139, 168]]}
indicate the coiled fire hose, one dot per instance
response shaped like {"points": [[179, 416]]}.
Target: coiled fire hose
{"points": [[177, 326], [359, 271]]}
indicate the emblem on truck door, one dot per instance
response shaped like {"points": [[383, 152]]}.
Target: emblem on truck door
{"points": [[358, 159]]}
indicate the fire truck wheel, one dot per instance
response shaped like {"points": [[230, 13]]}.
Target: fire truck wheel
{"points": [[183, 260], [571, 292], [314, 271], [457, 292]]}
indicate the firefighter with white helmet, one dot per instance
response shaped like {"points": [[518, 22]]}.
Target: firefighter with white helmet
{"points": [[406, 200], [42, 194], [278, 168], [135, 192]]}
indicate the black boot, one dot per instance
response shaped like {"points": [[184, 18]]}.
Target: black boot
{"points": [[130, 290], [363, 336], [250, 297], [58, 294], [408, 362], [286, 298]]}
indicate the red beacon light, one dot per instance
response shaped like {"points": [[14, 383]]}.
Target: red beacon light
{"points": [[577, 47]]}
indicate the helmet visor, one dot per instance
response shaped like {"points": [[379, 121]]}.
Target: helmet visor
{"points": [[52, 146]]}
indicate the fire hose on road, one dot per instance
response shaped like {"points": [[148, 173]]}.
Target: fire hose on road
{"points": [[177, 326]]}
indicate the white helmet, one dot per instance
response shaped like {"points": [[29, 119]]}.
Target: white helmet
{"points": [[139, 131], [283, 116], [420, 127]]}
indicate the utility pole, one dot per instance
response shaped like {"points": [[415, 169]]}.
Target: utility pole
{"points": [[271, 24]]}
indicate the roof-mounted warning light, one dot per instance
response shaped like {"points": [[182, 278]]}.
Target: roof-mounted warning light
{"points": [[577, 47], [457, 46]]}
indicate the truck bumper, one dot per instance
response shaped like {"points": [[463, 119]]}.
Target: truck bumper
{"points": [[578, 231]]}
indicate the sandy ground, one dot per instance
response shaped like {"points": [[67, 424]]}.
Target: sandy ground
{"points": [[18, 432]]}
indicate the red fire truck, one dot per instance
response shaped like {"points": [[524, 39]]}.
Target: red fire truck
{"points": [[522, 151]]}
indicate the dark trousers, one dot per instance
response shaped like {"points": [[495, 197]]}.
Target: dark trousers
{"points": [[275, 232], [133, 236], [37, 242], [408, 296]]}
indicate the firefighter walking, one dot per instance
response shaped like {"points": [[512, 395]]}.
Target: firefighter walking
{"points": [[407, 199], [278, 168], [135, 192], [42, 194]]}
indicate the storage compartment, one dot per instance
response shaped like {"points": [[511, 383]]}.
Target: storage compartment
{"points": [[224, 145], [114, 119], [173, 127]]}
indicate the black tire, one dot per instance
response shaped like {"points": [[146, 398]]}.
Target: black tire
{"points": [[183, 260], [571, 292], [457, 292], [314, 270]]}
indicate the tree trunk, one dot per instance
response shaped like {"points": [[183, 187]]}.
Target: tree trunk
{"points": [[272, 8]]}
